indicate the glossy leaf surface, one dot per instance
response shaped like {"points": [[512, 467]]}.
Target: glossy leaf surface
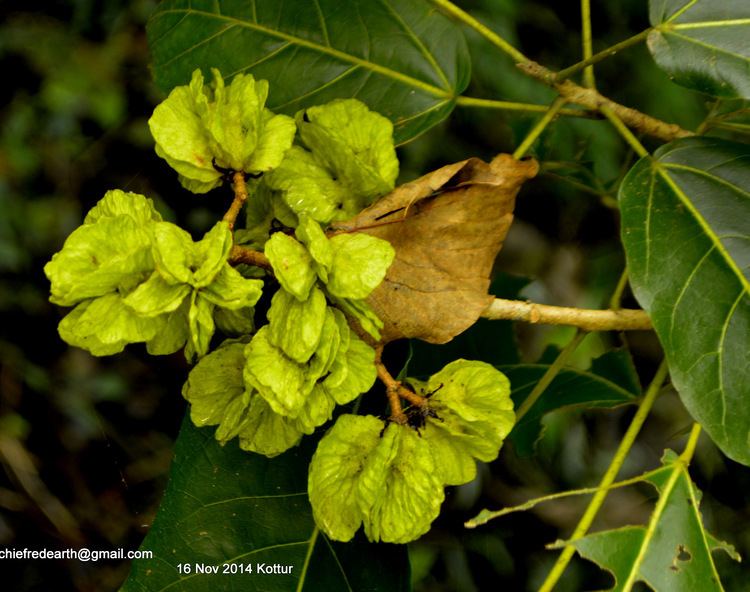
{"points": [[611, 381], [403, 59], [703, 44], [685, 215], [673, 552], [224, 506]]}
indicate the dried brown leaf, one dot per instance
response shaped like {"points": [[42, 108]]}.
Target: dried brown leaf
{"points": [[447, 228]]}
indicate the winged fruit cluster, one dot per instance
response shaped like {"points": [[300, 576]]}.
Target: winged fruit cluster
{"points": [[135, 278]]}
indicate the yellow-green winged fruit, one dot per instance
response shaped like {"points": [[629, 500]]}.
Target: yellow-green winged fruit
{"points": [[218, 396], [473, 413], [348, 160], [364, 473], [400, 491], [335, 470], [193, 280], [101, 263], [201, 129]]}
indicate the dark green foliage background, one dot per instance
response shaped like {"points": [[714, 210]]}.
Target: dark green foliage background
{"points": [[98, 433]]}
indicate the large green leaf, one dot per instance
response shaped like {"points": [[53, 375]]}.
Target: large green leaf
{"points": [[686, 231], [403, 59], [672, 553], [702, 44], [224, 506], [611, 381]]}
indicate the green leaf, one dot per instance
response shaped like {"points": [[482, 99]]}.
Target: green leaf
{"points": [[359, 264], [684, 227], [296, 326], [703, 45], [98, 258], [473, 414], [403, 59], [292, 265], [223, 505], [611, 381], [671, 554]]}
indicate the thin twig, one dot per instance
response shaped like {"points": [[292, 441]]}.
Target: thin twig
{"points": [[541, 125], [464, 101], [602, 55], [589, 320], [463, 16], [549, 375], [609, 477], [588, 70], [240, 197], [588, 97], [626, 134], [247, 256], [485, 515], [395, 390]]}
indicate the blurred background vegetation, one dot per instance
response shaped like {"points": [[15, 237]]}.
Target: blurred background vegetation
{"points": [[85, 443]]}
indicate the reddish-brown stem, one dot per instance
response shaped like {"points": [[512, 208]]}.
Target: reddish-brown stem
{"points": [[247, 256], [395, 390], [240, 197]]}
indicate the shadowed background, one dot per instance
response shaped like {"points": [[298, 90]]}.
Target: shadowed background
{"points": [[85, 443]]}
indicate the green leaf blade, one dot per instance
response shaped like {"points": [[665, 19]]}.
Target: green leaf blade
{"points": [[404, 60], [224, 505], [703, 45], [610, 382], [673, 552], [685, 233]]}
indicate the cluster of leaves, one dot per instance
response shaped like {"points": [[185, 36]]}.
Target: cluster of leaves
{"points": [[135, 278]]}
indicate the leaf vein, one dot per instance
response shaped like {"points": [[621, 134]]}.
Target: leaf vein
{"points": [[365, 63]]}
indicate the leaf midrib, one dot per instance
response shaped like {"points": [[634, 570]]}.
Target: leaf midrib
{"points": [[678, 470], [345, 57], [662, 170], [702, 43]]}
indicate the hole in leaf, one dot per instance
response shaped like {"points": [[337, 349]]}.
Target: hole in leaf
{"points": [[683, 554]]}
